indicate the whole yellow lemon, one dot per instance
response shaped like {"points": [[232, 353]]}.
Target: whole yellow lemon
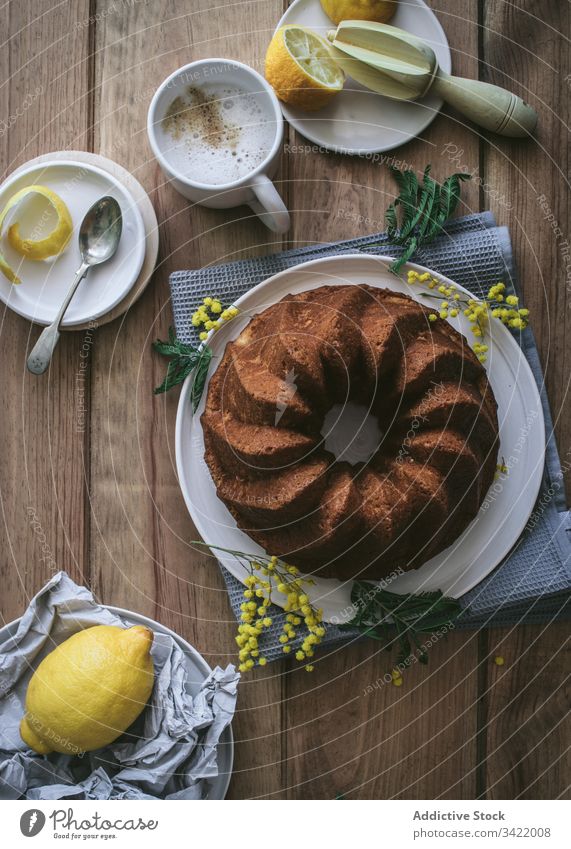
{"points": [[380, 11], [89, 690]]}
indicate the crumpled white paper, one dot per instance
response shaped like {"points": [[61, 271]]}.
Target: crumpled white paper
{"points": [[170, 752]]}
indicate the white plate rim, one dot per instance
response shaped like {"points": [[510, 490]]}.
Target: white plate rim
{"points": [[300, 125], [23, 171], [184, 410], [220, 786]]}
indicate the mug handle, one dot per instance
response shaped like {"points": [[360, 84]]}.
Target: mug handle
{"points": [[268, 205]]}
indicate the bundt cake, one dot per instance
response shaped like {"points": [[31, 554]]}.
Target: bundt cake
{"points": [[436, 455]]}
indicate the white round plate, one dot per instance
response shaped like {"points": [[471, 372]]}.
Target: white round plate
{"points": [[198, 670], [360, 121], [505, 511], [44, 284]]}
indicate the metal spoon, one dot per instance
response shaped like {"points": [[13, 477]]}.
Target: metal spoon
{"points": [[99, 237]]}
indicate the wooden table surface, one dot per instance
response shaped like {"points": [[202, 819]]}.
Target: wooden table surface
{"points": [[103, 492]]}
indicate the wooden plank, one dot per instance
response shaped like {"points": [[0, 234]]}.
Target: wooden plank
{"points": [[524, 49], [43, 428], [528, 722], [419, 741], [463, 727], [353, 734], [140, 548]]}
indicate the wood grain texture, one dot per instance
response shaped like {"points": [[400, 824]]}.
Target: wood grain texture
{"points": [[106, 499], [527, 719], [527, 722], [534, 176], [141, 533], [352, 733]]}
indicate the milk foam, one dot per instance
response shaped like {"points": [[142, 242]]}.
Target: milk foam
{"points": [[217, 134]]}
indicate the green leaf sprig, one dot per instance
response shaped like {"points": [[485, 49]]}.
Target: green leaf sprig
{"points": [[184, 359], [389, 617], [424, 209], [380, 614]]}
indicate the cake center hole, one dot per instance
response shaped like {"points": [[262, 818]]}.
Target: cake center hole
{"points": [[351, 433]]}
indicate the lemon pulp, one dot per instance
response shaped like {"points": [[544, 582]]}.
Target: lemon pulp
{"points": [[313, 56], [301, 70]]}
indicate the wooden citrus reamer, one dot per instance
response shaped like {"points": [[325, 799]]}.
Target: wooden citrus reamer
{"points": [[399, 65]]}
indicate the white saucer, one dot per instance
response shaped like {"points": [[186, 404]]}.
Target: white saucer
{"points": [[44, 284], [359, 121]]}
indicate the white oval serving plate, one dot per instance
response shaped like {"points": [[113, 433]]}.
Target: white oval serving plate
{"points": [[44, 284], [506, 509], [359, 121]]}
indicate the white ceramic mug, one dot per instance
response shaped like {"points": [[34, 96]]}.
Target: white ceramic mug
{"points": [[256, 188]]}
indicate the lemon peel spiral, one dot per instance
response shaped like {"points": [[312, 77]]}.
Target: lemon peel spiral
{"points": [[36, 249]]}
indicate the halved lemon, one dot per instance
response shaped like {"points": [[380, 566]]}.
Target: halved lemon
{"points": [[300, 69]]}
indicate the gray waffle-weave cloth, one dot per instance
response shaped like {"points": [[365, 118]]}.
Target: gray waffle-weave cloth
{"points": [[533, 584]]}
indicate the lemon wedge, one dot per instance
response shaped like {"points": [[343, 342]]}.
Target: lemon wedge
{"points": [[300, 69], [36, 249], [380, 11]]}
